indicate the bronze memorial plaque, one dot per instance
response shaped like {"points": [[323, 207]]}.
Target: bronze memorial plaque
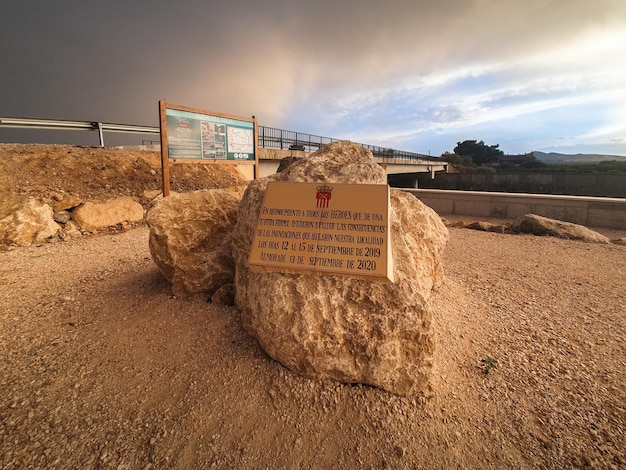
{"points": [[321, 228]]}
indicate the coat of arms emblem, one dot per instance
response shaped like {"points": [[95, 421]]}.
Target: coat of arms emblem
{"points": [[324, 193]]}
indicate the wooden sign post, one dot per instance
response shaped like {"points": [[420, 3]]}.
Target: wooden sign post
{"points": [[190, 135]]}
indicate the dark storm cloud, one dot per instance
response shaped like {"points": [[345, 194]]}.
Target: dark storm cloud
{"points": [[284, 61]]}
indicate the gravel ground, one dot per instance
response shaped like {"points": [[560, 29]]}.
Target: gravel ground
{"points": [[101, 367]]}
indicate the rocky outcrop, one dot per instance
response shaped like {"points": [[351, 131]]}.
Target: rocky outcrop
{"points": [[62, 217], [538, 225], [285, 162], [66, 203], [190, 239], [337, 327], [225, 295], [26, 221], [94, 216], [487, 227]]}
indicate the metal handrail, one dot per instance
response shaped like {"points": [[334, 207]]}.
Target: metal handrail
{"points": [[269, 137], [60, 124]]}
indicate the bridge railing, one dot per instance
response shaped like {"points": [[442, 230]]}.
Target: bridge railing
{"points": [[269, 137]]}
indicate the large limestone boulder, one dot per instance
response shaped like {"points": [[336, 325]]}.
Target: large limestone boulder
{"points": [[190, 239], [538, 225], [98, 216], [25, 221], [337, 327]]}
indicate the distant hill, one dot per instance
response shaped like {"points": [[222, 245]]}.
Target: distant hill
{"points": [[553, 158]]}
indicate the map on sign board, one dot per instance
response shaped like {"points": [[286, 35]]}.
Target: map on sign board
{"points": [[240, 140], [324, 228]]}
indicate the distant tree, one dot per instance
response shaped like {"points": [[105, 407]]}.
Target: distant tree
{"points": [[464, 160], [533, 162], [479, 152]]}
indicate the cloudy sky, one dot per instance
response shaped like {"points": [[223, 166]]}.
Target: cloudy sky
{"points": [[415, 75]]}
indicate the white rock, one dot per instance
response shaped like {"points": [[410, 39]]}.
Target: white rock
{"points": [[538, 225], [98, 216], [24, 222], [190, 239]]}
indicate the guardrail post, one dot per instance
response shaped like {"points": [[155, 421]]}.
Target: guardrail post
{"points": [[101, 134]]}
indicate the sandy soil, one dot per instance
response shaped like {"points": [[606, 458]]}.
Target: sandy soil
{"points": [[101, 367], [97, 174]]}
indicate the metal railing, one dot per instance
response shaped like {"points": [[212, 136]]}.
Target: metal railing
{"points": [[269, 137], [58, 124]]}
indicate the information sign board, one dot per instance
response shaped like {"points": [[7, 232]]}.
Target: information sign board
{"points": [[324, 228], [193, 135], [208, 137]]}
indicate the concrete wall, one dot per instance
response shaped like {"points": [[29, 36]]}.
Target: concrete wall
{"points": [[279, 154], [246, 171], [588, 211], [581, 184]]}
